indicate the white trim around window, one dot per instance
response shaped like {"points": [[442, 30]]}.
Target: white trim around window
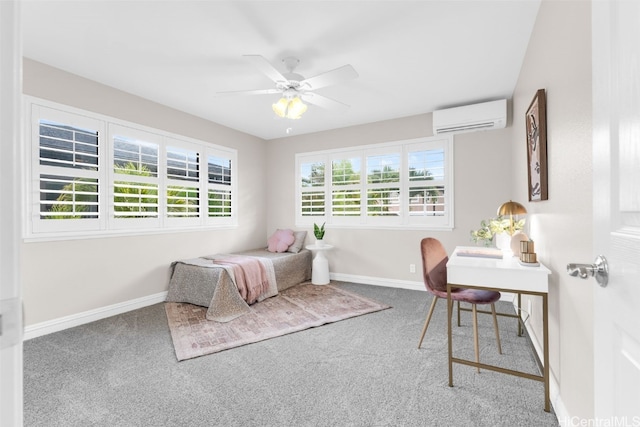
{"points": [[89, 175], [401, 184]]}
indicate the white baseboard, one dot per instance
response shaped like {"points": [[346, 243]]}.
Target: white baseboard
{"points": [[78, 319], [376, 281]]}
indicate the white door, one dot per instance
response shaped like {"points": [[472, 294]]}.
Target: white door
{"points": [[616, 194], [10, 229]]}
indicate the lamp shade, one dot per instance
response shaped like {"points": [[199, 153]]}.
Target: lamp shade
{"points": [[280, 108], [296, 108], [511, 208]]}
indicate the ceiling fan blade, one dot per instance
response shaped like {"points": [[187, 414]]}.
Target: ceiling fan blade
{"points": [[339, 75], [324, 102], [265, 66], [250, 92]]}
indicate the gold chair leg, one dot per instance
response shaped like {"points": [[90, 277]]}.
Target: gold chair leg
{"points": [[495, 326], [426, 323], [519, 314], [475, 335], [458, 313]]}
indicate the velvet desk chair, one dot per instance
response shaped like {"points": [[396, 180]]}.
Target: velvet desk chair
{"points": [[434, 272]]}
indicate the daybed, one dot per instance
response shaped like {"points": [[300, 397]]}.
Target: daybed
{"points": [[207, 282]]}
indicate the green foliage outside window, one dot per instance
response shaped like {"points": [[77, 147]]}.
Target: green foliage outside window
{"points": [[131, 199]]}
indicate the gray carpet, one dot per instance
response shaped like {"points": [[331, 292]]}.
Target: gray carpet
{"points": [[364, 371]]}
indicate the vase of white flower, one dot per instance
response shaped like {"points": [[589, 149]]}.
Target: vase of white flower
{"points": [[500, 228], [503, 241]]}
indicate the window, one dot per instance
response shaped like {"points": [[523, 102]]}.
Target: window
{"points": [[426, 182], [219, 186], [383, 184], [312, 183], [95, 175], [135, 168], [183, 178], [399, 184], [67, 189], [345, 194]]}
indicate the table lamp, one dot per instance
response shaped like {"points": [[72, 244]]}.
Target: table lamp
{"points": [[511, 208]]}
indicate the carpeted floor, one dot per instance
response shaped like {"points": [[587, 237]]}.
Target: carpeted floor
{"points": [[364, 371]]}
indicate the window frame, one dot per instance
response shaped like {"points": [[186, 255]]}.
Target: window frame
{"points": [[107, 224], [405, 220]]}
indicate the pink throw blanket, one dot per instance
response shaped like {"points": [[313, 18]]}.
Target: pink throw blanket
{"points": [[250, 275]]}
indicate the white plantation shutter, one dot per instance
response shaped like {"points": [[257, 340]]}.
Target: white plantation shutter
{"points": [[219, 187], [67, 169], [68, 197], [136, 184], [398, 184], [426, 181], [312, 187], [96, 175], [346, 179], [430, 172], [183, 182], [383, 183]]}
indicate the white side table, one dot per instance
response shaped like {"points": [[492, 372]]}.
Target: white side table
{"points": [[320, 267]]}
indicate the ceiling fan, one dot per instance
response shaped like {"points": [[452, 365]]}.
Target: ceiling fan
{"points": [[294, 88]]}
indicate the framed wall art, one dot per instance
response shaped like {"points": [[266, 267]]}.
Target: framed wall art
{"points": [[536, 124]]}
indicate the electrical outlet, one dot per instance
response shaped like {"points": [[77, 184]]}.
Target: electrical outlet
{"points": [[412, 268]]}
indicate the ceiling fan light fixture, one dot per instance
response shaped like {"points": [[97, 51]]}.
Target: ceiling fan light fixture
{"points": [[280, 107], [296, 108], [290, 108]]}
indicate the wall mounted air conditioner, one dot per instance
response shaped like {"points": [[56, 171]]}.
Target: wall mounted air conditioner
{"points": [[471, 118]]}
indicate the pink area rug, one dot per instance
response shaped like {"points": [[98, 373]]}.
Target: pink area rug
{"points": [[295, 309]]}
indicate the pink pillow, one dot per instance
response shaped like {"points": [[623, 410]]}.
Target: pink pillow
{"points": [[280, 240]]}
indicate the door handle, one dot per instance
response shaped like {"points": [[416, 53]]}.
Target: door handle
{"points": [[599, 269]]}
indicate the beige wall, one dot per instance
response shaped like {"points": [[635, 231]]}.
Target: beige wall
{"points": [[558, 59], [63, 278], [482, 169]]}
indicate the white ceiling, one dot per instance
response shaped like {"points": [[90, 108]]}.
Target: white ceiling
{"points": [[412, 57]]}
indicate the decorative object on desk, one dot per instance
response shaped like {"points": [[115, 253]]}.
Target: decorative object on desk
{"points": [[318, 231], [527, 254], [494, 226], [503, 241], [527, 247], [511, 209], [518, 237], [480, 253], [536, 125]]}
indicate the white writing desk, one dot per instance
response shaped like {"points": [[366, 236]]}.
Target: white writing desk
{"points": [[506, 275]]}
